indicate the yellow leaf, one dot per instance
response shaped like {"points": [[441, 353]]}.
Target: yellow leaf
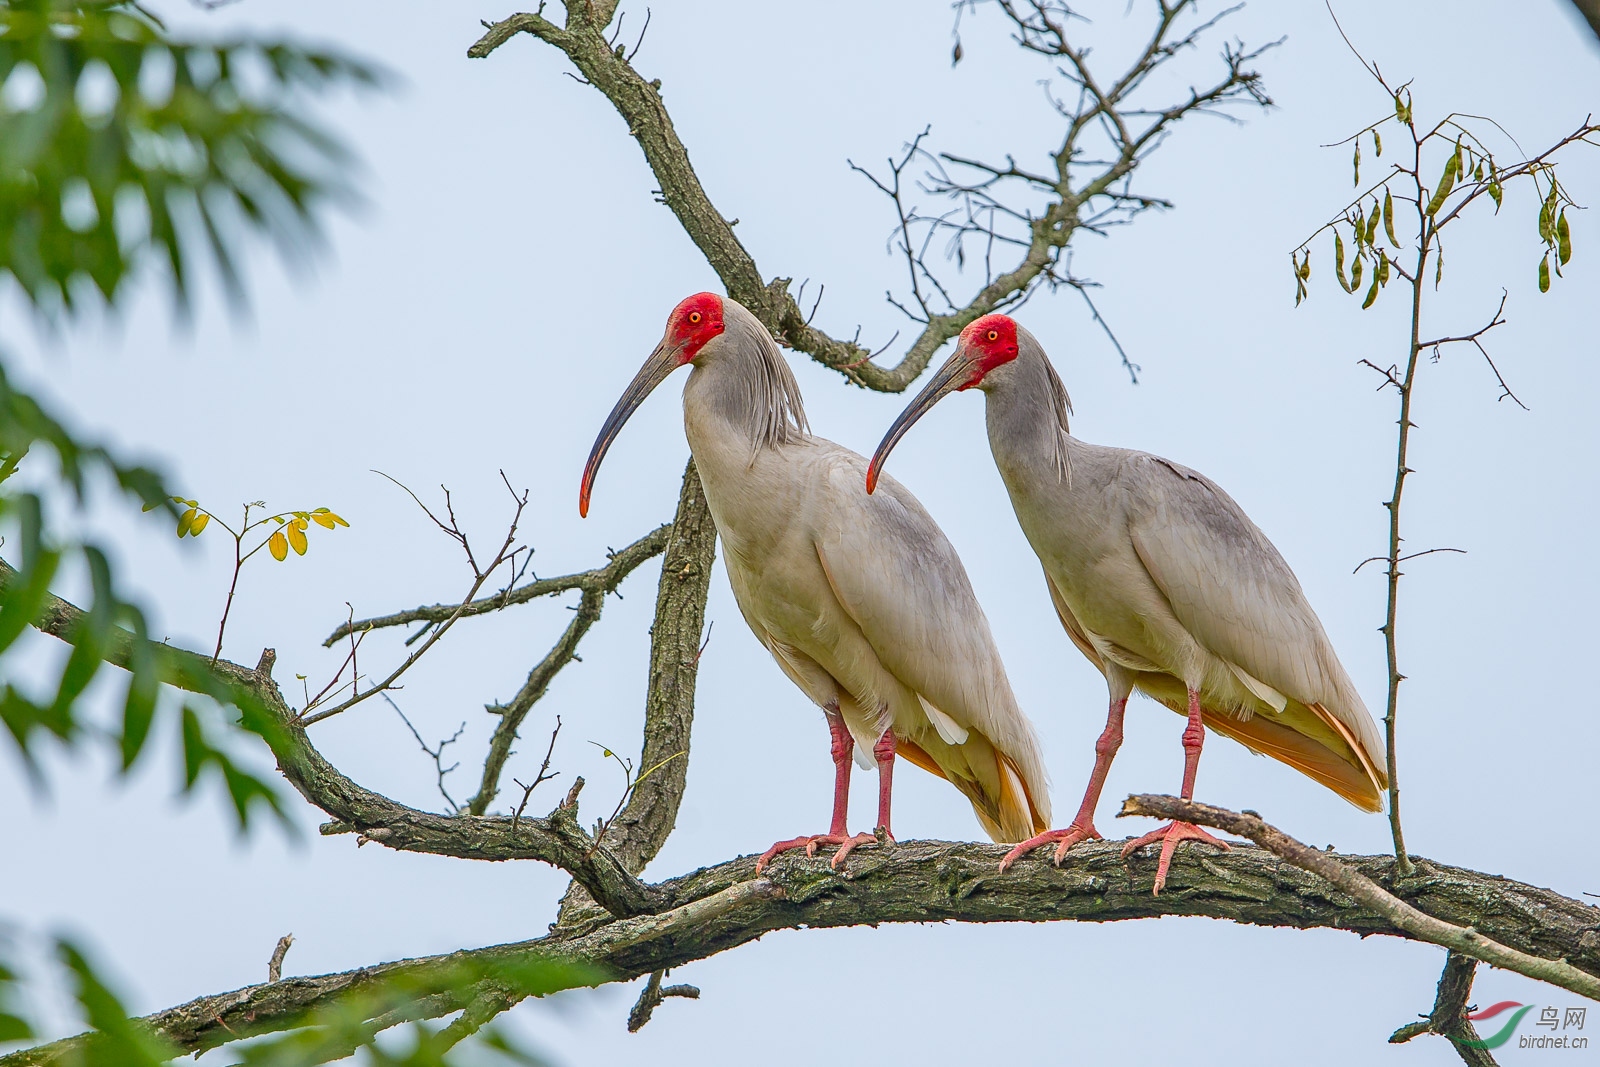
{"points": [[322, 520], [185, 521], [199, 524], [337, 519], [277, 545], [297, 537]]}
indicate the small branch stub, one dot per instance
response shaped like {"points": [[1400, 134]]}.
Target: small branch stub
{"points": [[275, 964]]}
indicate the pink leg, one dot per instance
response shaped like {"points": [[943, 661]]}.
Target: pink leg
{"points": [[842, 749], [1082, 826], [1194, 736]]}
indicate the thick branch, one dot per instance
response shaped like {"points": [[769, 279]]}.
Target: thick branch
{"points": [[642, 828], [722, 907], [557, 840]]}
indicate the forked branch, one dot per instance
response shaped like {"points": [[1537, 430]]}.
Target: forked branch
{"points": [[1082, 189]]}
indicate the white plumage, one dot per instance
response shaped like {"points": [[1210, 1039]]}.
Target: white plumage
{"points": [[861, 599], [1163, 582]]}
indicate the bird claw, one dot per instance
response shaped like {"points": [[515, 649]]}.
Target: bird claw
{"points": [[1169, 836], [848, 846], [810, 842], [1067, 836]]}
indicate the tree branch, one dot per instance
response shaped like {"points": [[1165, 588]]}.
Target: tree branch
{"points": [[1449, 1016], [1049, 230], [557, 840], [725, 906], [1463, 938], [620, 564], [595, 585]]}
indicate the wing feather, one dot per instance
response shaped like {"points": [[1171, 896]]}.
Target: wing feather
{"points": [[900, 580], [1232, 591]]}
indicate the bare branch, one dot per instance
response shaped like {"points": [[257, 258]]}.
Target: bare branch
{"points": [[506, 554], [275, 964], [724, 906], [1449, 1016], [437, 753], [651, 997], [619, 565], [1096, 198], [1368, 893]]}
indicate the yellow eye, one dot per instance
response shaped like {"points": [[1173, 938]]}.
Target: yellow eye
{"points": [[994, 335], [694, 316]]}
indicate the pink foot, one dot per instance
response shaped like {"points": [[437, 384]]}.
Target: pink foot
{"points": [[1068, 837], [810, 842], [1169, 836]]}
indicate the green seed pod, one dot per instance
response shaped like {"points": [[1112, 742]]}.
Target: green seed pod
{"points": [[1447, 181]]}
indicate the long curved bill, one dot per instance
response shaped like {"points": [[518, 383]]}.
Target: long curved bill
{"points": [[662, 362], [952, 376]]}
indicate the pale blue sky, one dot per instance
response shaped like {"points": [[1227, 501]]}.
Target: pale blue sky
{"points": [[507, 275]]}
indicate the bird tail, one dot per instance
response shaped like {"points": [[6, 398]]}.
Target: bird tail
{"points": [[1321, 748], [1008, 808]]}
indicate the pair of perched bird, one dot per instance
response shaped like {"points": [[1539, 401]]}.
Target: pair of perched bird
{"points": [[1158, 577]]}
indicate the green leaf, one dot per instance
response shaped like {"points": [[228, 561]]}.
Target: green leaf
{"points": [[26, 591], [1544, 274], [201, 131], [185, 521], [199, 523], [118, 1041], [1388, 217]]}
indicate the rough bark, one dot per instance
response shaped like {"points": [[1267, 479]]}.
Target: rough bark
{"points": [[675, 641], [722, 907]]}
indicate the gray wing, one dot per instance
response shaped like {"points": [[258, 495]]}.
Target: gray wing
{"points": [[1231, 589], [899, 578]]}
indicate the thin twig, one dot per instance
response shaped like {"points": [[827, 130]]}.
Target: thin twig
{"points": [[542, 776], [437, 752], [480, 576]]}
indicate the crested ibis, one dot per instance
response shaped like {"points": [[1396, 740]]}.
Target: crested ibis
{"points": [[1165, 584], [860, 598]]}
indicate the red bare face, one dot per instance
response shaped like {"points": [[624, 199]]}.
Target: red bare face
{"points": [[694, 322], [990, 341]]}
